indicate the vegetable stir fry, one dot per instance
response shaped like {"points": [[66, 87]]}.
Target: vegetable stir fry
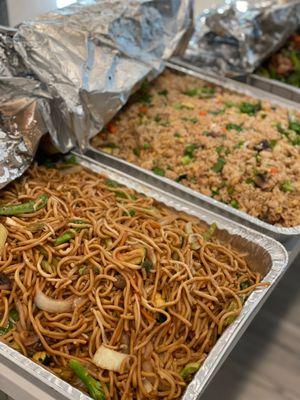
{"points": [[284, 65]]}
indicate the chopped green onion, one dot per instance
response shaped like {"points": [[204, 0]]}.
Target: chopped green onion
{"points": [[250, 108], [218, 166], [234, 203], [189, 150], [186, 160], [287, 186], [158, 171], [137, 151], [163, 93], [236, 127]]}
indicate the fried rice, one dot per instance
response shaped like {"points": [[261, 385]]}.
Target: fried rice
{"points": [[228, 146]]}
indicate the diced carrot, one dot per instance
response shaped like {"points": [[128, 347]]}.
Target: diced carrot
{"points": [[273, 170], [112, 127], [143, 109], [202, 113]]}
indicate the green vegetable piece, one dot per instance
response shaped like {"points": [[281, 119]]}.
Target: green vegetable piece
{"points": [[230, 104], [236, 127], [186, 160], [194, 120], [232, 307], [177, 135], [188, 370], [64, 238], [217, 112], [163, 93], [240, 144], [143, 94], [24, 208], [222, 149], [287, 186], [94, 387], [191, 92], [71, 160], [250, 108], [207, 235], [81, 270], [178, 106], [244, 285], [137, 151], [121, 195], [158, 171], [202, 92], [218, 166], [189, 150], [147, 264], [230, 190], [215, 192], [12, 319], [234, 203], [111, 183], [249, 181], [146, 146], [295, 126], [280, 129]]}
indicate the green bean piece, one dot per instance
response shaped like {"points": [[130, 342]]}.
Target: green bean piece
{"points": [[24, 208], [94, 387], [64, 238], [207, 235], [188, 370]]}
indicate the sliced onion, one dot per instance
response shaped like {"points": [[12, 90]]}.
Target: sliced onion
{"points": [[3, 236], [106, 358], [11, 222], [48, 304], [147, 385], [158, 300]]}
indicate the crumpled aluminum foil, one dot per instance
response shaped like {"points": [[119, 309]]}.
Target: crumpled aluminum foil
{"points": [[80, 64], [235, 38]]}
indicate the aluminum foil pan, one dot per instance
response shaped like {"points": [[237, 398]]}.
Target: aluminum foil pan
{"points": [[265, 255], [281, 89], [80, 64], [237, 36], [280, 233]]}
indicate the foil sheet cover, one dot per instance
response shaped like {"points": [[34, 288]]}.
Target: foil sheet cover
{"points": [[236, 37], [81, 63], [265, 255]]}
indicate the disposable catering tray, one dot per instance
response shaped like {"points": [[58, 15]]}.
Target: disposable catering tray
{"points": [[278, 88], [264, 254], [277, 232]]}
